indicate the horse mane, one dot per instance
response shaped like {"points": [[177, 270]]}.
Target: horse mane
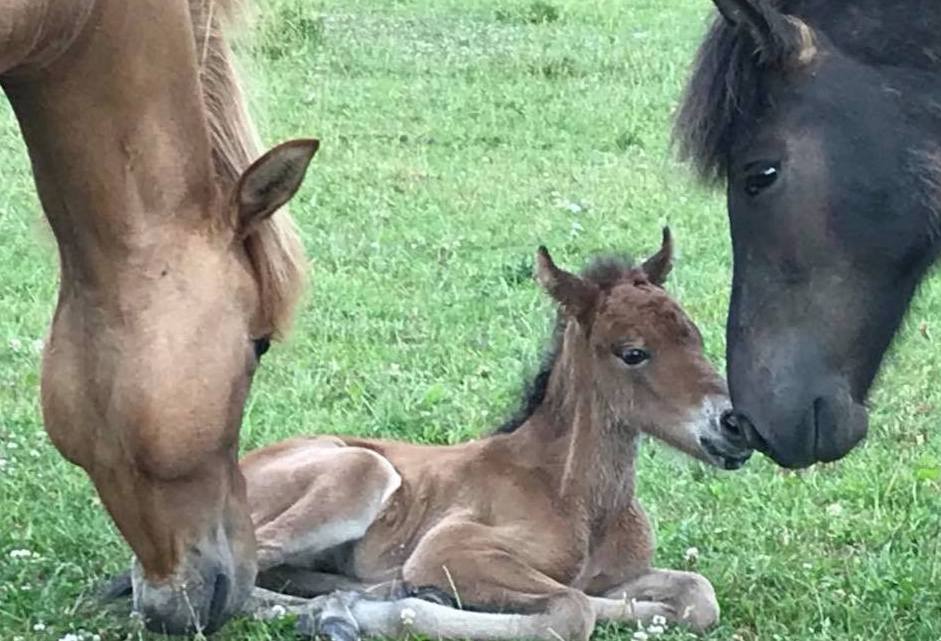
{"points": [[274, 249], [603, 271], [723, 86], [725, 81]]}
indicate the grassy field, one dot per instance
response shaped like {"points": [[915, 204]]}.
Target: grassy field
{"points": [[457, 136]]}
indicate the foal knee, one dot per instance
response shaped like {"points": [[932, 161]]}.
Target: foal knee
{"points": [[570, 617], [697, 606]]}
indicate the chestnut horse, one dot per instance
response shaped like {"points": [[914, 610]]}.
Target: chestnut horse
{"points": [[536, 527], [175, 274]]}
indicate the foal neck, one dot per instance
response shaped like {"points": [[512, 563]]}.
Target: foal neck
{"points": [[573, 426]]}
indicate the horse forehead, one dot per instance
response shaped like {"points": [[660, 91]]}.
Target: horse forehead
{"points": [[195, 268]]}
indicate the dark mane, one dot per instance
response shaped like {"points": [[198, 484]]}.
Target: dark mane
{"points": [[723, 86], [603, 271], [725, 81]]}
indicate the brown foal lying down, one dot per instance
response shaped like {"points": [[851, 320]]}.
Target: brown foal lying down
{"points": [[532, 532]]}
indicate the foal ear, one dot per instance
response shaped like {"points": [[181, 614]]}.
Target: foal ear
{"points": [[658, 266], [271, 181], [577, 296], [781, 39]]}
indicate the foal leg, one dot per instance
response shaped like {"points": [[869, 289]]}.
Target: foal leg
{"points": [[308, 496], [682, 598], [473, 565], [307, 584], [344, 616]]}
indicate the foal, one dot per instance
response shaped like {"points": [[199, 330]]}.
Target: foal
{"points": [[535, 529]]}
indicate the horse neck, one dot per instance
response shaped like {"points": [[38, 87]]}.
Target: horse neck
{"points": [[118, 139], [577, 429]]}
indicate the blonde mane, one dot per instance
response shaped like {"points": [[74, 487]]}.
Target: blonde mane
{"points": [[275, 249]]}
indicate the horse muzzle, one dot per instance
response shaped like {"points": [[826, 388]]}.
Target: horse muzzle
{"points": [[828, 427], [207, 591]]}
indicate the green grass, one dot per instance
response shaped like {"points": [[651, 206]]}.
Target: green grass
{"points": [[457, 136]]}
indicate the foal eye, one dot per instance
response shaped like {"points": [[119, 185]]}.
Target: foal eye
{"points": [[760, 177], [261, 346], [634, 356]]}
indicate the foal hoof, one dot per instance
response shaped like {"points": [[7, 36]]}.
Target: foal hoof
{"points": [[337, 629], [434, 595], [306, 626]]}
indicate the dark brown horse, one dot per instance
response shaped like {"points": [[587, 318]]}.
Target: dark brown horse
{"points": [[175, 274], [536, 527], [822, 118]]}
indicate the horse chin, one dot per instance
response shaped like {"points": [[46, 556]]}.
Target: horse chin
{"points": [[199, 598]]}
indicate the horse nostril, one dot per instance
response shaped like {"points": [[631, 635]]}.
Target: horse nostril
{"points": [[220, 597], [737, 425]]}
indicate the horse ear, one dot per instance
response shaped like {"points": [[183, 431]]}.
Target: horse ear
{"points": [[576, 295], [271, 181], [781, 39], [658, 266]]}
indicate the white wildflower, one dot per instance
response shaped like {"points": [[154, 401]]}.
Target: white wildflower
{"points": [[39, 627], [20, 554], [70, 637], [16, 344], [654, 630], [640, 635], [408, 616], [658, 620], [692, 555], [278, 611]]}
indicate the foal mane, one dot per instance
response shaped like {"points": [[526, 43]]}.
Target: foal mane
{"points": [[603, 271], [274, 249]]}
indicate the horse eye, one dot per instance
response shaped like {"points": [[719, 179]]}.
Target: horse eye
{"points": [[261, 346], [634, 356], [759, 179]]}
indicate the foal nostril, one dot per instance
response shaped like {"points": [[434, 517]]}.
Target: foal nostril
{"points": [[731, 426]]}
